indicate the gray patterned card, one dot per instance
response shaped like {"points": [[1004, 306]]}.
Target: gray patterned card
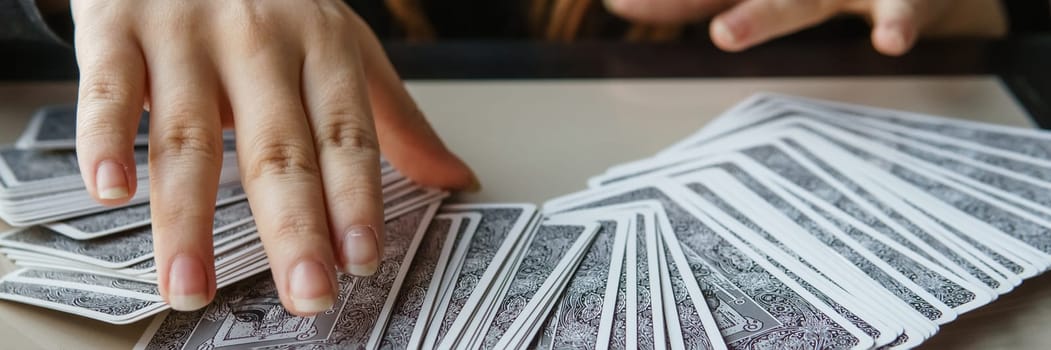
{"points": [[584, 298], [412, 298], [249, 315], [549, 247], [126, 218], [735, 287], [497, 233], [114, 251], [100, 306], [55, 128]]}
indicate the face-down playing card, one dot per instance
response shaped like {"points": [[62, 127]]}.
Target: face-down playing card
{"points": [[742, 316], [239, 314]]}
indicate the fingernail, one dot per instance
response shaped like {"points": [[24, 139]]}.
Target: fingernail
{"points": [[360, 251], [187, 288], [722, 33], [310, 287], [111, 181]]}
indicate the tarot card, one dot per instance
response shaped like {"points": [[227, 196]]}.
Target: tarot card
{"points": [[953, 236], [593, 288], [440, 291], [934, 196], [113, 251], [645, 308], [54, 128], [803, 268], [471, 330], [851, 243], [88, 281], [108, 308], [409, 306], [110, 222], [733, 299], [497, 236], [1029, 142], [1014, 188], [549, 255], [360, 304], [737, 228]]}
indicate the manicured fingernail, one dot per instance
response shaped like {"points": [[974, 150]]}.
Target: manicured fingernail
{"points": [[722, 33], [187, 287], [360, 251], [310, 287], [111, 181]]}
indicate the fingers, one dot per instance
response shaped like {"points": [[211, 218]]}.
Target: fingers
{"points": [[348, 152], [112, 79], [185, 161], [405, 137], [276, 154], [895, 26], [755, 21], [666, 11]]}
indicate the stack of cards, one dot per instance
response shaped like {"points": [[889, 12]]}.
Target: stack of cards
{"points": [[101, 265], [40, 180], [786, 223]]}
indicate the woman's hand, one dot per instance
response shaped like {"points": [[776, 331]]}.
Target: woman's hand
{"points": [[313, 99], [896, 24]]}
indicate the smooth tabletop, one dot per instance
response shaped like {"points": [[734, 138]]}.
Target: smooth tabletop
{"points": [[531, 140]]}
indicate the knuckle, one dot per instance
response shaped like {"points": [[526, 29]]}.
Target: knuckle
{"points": [[257, 25], [104, 88], [343, 134], [92, 131], [276, 157], [295, 228], [172, 215], [333, 16], [188, 140], [357, 191]]}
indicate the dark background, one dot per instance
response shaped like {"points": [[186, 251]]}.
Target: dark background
{"points": [[1023, 62]]}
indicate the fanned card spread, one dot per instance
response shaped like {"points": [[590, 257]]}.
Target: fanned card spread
{"points": [[785, 223]]}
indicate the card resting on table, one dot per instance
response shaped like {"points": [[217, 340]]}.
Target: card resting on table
{"points": [[785, 223]]}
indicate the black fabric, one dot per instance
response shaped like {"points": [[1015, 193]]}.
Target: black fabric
{"points": [[1028, 16], [478, 19], [375, 13]]}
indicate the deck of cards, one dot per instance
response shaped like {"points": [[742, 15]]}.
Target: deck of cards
{"points": [[785, 223]]}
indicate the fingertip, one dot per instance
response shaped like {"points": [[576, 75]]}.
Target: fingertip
{"points": [[360, 250], [112, 183], [724, 36], [188, 286], [892, 39], [311, 288], [895, 27]]}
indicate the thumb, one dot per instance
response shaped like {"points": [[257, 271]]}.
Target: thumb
{"points": [[405, 137]]}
